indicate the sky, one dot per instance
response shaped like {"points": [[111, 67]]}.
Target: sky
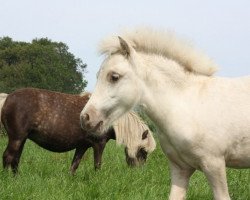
{"points": [[221, 29]]}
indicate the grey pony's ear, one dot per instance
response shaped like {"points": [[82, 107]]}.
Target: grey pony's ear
{"points": [[145, 135], [125, 49]]}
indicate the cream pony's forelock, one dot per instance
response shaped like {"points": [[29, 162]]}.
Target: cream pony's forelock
{"points": [[109, 45]]}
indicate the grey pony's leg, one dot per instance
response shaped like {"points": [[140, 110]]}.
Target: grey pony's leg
{"points": [[99, 146], [12, 153], [98, 151], [79, 152]]}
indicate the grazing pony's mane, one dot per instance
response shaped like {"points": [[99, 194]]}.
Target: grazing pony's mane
{"points": [[165, 44], [129, 130]]}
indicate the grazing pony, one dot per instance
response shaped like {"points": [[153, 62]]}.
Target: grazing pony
{"points": [[52, 120], [203, 121], [128, 130]]}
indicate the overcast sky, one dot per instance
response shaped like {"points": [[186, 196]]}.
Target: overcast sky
{"points": [[221, 28]]}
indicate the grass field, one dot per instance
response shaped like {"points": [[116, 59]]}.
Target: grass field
{"points": [[45, 175]]}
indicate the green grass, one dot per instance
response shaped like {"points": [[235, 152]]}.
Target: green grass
{"points": [[45, 175]]}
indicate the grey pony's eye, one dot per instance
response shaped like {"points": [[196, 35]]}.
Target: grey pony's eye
{"points": [[114, 77]]}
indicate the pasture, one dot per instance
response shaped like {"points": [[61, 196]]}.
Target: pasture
{"points": [[45, 175]]}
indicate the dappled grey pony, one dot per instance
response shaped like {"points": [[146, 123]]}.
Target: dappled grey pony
{"points": [[52, 120]]}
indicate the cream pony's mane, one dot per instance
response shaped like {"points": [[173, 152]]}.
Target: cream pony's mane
{"points": [[165, 44], [129, 129]]}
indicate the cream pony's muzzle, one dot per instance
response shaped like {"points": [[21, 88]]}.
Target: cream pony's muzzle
{"points": [[91, 121]]}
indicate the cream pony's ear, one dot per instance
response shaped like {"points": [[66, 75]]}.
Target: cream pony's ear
{"points": [[125, 48]]}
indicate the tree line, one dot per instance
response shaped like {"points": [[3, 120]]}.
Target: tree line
{"points": [[41, 63]]}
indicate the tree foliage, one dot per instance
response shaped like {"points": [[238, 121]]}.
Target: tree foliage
{"points": [[41, 64]]}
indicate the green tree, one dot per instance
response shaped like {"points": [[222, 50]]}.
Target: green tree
{"points": [[41, 64]]}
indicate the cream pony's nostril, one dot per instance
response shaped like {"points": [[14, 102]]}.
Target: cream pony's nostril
{"points": [[86, 117]]}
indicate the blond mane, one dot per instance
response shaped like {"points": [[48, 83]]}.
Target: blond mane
{"points": [[129, 129], [3, 97], [162, 43]]}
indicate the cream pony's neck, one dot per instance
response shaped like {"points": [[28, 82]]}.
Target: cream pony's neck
{"points": [[166, 83], [157, 71]]}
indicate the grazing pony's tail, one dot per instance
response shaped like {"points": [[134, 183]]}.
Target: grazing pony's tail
{"points": [[3, 97]]}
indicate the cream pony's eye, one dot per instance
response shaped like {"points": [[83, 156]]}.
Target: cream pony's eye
{"points": [[114, 77]]}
